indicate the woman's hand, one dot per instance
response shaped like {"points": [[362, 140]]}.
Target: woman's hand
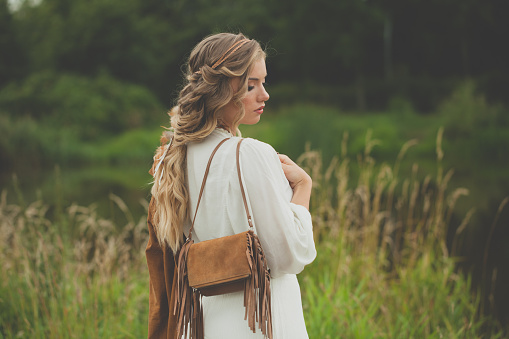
{"points": [[300, 182]]}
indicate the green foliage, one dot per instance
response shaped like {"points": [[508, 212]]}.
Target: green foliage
{"points": [[291, 128], [126, 38], [477, 155], [368, 49], [52, 118], [12, 62], [467, 112], [90, 107], [401, 106], [475, 134], [26, 142], [137, 145]]}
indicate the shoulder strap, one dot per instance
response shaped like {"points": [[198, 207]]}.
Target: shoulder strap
{"points": [[203, 184], [249, 218]]}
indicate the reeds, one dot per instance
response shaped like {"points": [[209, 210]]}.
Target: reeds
{"points": [[84, 277], [384, 267]]}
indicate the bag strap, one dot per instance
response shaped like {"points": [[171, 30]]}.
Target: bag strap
{"points": [[249, 218]]}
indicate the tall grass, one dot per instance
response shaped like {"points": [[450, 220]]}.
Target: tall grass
{"points": [[384, 268], [79, 277]]}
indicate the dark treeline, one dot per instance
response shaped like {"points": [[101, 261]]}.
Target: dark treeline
{"points": [[352, 53]]}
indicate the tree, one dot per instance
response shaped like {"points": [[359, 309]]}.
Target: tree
{"points": [[12, 56]]}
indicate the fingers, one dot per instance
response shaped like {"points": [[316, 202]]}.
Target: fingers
{"points": [[285, 159], [286, 167]]}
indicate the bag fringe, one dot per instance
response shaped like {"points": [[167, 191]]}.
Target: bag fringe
{"points": [[257, 299], [188, 309], [196, 324]]}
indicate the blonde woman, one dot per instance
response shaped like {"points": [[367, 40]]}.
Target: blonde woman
{"points": [[225, 87]]}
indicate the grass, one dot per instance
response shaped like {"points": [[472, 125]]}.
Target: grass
{"points": [[82, 277], [383, 270]]}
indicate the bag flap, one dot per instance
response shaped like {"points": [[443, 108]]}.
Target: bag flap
{"points": [[218, 260]]}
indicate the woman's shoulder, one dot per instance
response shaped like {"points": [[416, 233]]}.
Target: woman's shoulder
{"points": [[256, 147], [259, 156]]}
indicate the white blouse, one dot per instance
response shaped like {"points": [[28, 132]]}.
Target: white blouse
{"points": [[285, 229]]}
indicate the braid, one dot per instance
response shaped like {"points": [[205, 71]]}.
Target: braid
{"points": [[206, 91]]}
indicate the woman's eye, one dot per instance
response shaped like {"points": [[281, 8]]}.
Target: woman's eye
{"points": [[249, 88]]}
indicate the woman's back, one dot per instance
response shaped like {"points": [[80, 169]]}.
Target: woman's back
{"points": [[284, 229]]}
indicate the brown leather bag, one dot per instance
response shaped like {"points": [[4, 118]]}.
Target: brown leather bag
{"points": [[223, 265]]}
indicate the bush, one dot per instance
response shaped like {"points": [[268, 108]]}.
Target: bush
{"points": [[25, 142], [466, 111], [90, 107]]}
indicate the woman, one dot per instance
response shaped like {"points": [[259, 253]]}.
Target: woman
{"points": [[225, 88]]}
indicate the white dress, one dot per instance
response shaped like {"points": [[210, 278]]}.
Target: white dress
{"points": [[285, 230]]}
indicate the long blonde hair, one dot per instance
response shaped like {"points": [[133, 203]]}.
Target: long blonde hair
{"points": [[198, 112]]}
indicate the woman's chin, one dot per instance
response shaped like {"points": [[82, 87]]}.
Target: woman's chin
{"points": [[252, 121]]}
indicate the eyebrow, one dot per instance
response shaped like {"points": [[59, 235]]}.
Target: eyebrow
{"points": [[255, 79]]}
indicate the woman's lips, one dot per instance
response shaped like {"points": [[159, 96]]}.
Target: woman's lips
{"points": [[260, 110]]}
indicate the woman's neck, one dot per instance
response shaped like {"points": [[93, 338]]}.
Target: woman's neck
{"points": [[225, 128]]}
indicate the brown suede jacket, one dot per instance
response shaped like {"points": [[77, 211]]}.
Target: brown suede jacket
{"points": [[162, 323]]}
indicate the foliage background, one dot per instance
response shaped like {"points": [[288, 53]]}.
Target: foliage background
{"points": [[84, 87]]}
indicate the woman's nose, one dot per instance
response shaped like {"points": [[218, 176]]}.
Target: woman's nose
{"points": [[264, 95]]}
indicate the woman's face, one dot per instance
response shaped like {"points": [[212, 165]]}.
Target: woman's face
{"points": [[254, 101]]}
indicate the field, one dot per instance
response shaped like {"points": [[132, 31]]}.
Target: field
{"points": [[384, 269]]}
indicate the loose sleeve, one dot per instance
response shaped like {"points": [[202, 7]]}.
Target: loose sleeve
{"points": [[285, 229]]}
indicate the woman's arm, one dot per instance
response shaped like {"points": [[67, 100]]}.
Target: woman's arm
{"points": [[283, 222]]}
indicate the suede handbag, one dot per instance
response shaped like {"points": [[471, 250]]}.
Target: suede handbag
{"points": [[219, 266]]}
